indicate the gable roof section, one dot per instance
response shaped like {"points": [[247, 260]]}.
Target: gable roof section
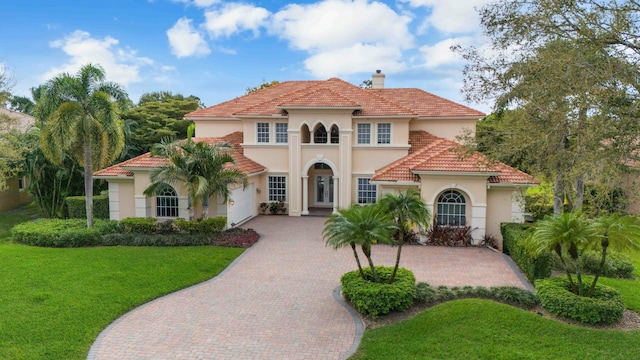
{"points": [[337, 93], [430, 153], [146, 161], [21, 122]]}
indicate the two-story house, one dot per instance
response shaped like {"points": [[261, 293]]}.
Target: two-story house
{"points": [[328, 144]]}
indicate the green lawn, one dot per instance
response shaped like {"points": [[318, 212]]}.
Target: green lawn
{"points": [[55, 302], [10, 218], [483, 329]]}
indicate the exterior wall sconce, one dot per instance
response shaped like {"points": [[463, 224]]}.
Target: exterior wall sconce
{"points": [[258, 190], [231, 202]]}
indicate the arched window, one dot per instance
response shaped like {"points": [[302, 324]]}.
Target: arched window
{"points": [[167, 203], [305, 134], [452, 209], [320, 135], [335, 135]]}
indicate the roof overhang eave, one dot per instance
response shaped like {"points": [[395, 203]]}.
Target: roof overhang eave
{"points": [[463, 117], [396, 183], [285, 107], [117, 177], [457, 173]]}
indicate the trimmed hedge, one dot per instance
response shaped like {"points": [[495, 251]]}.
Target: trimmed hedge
{"points": [[155, 240], [425, 294], [203, 226], [616, 265], [76, 207], [138, 225], [514, 236], [63, 233], [379, 298], [605, 307]]}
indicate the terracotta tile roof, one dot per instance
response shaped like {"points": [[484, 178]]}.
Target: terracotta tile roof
{"points": [[431, 153], [338, 93], [21, 122], [245, 164]]}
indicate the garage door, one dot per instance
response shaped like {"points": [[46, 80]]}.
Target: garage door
{"points": [[242, 207]]}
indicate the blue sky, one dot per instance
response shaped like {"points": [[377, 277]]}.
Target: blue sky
{"points": [[215, 49]]}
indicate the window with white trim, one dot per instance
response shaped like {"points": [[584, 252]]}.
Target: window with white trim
{"points": [[367, 192], [364, 133], [167, 203], [281, 133], [262, 131], [384, 133], [452, 209], [277, 186]]}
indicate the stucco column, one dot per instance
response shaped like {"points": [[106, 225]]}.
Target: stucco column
{"points": [[335, 194], [305, 195]]}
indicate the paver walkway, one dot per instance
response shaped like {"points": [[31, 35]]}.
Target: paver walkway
{"points": [[277, 302]]}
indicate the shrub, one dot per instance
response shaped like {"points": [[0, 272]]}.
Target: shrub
{"points": [[236, 237], [76, 209], [277, 207], [425, 294], [138, 225], [165, 227], [605, 307], [379, 298], [440, 235], [515, 296], [204, 226], [62, 233], [616, 265], [514, 238], [132, 239]]}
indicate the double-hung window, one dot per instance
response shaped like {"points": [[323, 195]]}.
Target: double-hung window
{"points": [[367, 192], [167, 203], [364, 133], [281, 133], [277, 188], [262, 131], [384, 133]]}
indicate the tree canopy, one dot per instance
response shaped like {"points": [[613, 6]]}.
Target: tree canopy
{"points": [[264, 85]]}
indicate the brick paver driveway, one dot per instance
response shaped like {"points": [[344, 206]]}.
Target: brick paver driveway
{"points": [[277, 300]]}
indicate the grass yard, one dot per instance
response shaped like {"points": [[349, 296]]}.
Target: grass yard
{"points": [[13, 217], [55, 302]]}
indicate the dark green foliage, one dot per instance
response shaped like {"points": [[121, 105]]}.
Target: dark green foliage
{"points": [[617, 265], [379, 298], [62, 233], [204, 226], [137, 225], [514, 296], [600, 199], [165, 227], [604, 307], [538, 201], [76, 207], [514, 236], [440, 235], [131, 239]]}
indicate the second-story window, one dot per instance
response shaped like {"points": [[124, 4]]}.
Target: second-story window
{"points": [[364, 133], [320, 135], [384, 133], [335, 135], [263, 132], [281, 133]]}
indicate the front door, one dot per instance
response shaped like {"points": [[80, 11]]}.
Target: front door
{"points": [[323, 190]]}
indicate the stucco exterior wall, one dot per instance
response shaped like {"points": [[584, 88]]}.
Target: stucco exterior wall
{"points": [[216, 128], [274, 157], [499, 210], [13, 197], [121, 199], [445, 128], [371, 158]]}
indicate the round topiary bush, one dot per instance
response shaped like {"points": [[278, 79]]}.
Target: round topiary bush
{"points": [[379, 298], [604, 307]]}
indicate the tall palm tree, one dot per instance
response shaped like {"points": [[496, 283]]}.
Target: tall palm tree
{"points": [[407, 209], [203, 169], [80, 116], [359, 225], [568, 235], [617, 232]]}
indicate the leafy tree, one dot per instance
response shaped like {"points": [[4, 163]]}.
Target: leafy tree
{"points": [[359, 226], [366, 84], [203, 169], [264, 85], [407, 210], [22, 104], [81, 117], [6, 82], [158, 115], [9, 149]]}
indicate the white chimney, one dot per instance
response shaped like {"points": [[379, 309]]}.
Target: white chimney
{"points": [[377, 81]]}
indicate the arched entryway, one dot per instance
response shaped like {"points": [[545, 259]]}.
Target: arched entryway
{"points": [[319, 187]]}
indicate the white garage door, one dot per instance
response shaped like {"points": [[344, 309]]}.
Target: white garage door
{"points": [[242, 207]]}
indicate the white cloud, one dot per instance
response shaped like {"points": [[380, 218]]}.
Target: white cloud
{"points": [[233, 18], [198, 3], [459, 16], [122, 65], [440, 54], [355, 59], [185, 41]]}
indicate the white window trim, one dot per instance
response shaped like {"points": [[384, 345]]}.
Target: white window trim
{"points": [[358, 133], [358, 191], [258, 133], [378, 133], [286, 187], [286, 133]]}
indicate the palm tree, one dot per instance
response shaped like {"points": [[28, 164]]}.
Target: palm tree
{"points": [[407, 209], [618, 232], [568, 235], [201, 168], [359, 225], [81, 118]]}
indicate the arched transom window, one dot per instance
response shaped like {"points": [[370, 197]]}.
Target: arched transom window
{"points": [[167, 203], [320, 135], [452, 209]]}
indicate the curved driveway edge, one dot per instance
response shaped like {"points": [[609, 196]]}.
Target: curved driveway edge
{"points": [[279, 300]]}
